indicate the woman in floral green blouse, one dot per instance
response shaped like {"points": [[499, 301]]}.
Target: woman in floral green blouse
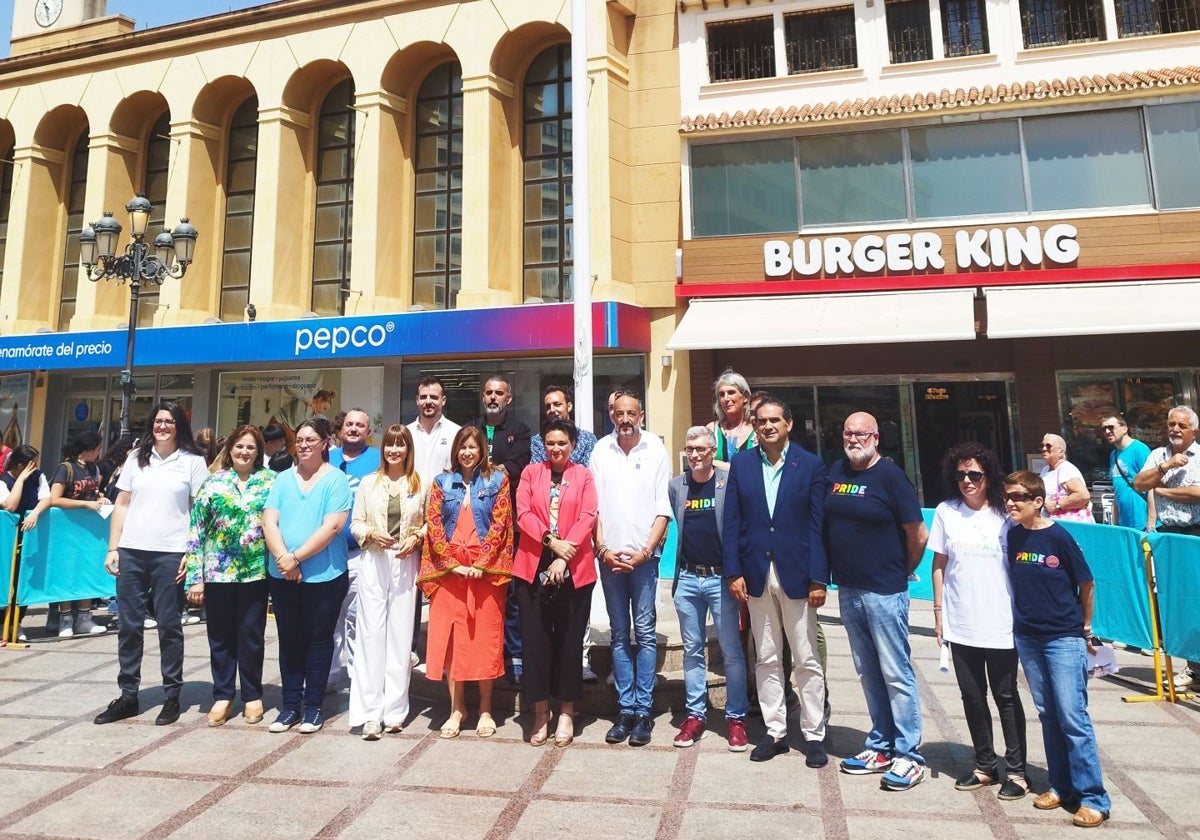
{"points": [[227, 571]]}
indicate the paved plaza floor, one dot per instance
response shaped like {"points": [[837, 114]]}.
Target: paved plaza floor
{"points": [[63, 776]]}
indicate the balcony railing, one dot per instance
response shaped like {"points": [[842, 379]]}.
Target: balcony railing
{"points": [[823, 39], [741, 49], [1049, 23], [964, 27], [1156, 17]]}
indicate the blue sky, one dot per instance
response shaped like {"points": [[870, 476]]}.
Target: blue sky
{"points": [[147, 13]]}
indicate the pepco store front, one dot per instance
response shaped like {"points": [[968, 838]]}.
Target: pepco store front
{"points": [[996, 333]]}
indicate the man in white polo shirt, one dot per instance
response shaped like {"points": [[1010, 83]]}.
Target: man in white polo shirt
{"points": [[432, 431]]}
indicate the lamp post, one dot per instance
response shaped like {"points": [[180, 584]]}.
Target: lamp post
{"points": [[98, 256]]}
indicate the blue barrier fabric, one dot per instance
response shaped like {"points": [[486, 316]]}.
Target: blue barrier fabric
{"points": [[1118, 565], [8, 540], [1177, 578], [62, 559]]}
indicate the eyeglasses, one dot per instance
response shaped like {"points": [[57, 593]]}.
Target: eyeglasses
{"points": [[1111, 428], [696, 450], [158, 422], [849, 435], [1019, 497], [308, 443], [1046, 446], [975, 476]]}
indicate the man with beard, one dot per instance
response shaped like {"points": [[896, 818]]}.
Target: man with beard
{"points": [[632, 470], [874, 538], [356, 460], [1171, 477], [558, 402], [432, 431], [1126, 460], [508, 451]]}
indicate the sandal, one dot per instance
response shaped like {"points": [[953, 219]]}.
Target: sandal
{"points": [[974, 781], [541, 734], [452, 726], [486, 727], [1014, 788], [566, 731]]}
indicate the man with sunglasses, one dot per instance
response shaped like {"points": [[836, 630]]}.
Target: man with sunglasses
{"points": [[1126, 460], [874, 537]]}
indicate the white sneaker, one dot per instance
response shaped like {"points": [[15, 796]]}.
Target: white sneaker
{"points": [[66, 631], [413, 660], [149, 623], [371, 730], [1185, 679], [588, 674]]}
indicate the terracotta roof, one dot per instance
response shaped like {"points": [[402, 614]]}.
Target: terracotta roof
{"points": [[946, 100]]}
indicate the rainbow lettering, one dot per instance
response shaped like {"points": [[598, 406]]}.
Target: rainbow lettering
{"points": [[844, 488], [700, 504]]}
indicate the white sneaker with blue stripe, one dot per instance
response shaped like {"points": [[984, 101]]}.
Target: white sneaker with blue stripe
{"points": [[904, 774]]}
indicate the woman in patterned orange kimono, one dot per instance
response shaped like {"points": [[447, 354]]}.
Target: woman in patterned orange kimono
{"points": [[466, 567]]}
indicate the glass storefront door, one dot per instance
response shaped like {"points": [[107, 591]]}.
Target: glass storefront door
{"points": [[949, 412]]}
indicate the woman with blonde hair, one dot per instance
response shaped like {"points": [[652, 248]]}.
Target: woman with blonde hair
{"points": [[389, 523], [734, 427]]}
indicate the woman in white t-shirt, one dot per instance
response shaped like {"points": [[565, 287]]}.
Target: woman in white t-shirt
{"points": [[1067, 495], [972, 603], [148, 532]]}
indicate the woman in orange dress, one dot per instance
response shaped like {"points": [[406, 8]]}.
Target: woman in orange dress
{"points": [[466, 567]]}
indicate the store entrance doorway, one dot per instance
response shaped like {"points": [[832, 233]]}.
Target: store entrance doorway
{"points": [[948, 412]]}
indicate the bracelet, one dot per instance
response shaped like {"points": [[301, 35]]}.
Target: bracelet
{"points": [[937, 607], [113, 551]]}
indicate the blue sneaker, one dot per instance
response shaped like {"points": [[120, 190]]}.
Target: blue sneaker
{"points": [[904, 774], [314, 719], [286, 720], [865, 763]]}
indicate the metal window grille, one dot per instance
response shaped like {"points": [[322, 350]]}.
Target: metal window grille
{"points": [[1156, 17], [910, 37], [1048, 23], [741, 49], [822, 39], [964, 27]]}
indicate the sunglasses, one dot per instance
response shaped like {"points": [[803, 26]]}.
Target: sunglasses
{"points": [[1046, 446], [1108, 428], [1019, 497], [975, 476]]}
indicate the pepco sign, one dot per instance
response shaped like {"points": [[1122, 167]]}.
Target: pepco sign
{"points": [[338, 338]]}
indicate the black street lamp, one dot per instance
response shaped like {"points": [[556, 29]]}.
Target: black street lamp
{"points": [[171, 258]]}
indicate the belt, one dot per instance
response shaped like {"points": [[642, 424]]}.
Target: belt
{"points": [[702, 571]]}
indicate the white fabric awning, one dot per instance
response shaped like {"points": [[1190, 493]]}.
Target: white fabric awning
{"points": [[813, 320], [1092, 308]]}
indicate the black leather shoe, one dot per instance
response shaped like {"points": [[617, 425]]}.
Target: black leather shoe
{"points": [[169, 713], [768, 748], [640, 736], [125, 706], [814, 754], [620, 729]]}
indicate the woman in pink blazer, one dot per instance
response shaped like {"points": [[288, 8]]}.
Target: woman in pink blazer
{"points": [[554, 573]]}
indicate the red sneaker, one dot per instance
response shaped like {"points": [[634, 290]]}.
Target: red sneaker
{"points": [[738, 742], [690, 732]]}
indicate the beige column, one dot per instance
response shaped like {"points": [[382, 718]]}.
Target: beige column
{"points": [[34, 254], [281, 268], [194, 191], [608, 78], [112, 165], [491, 271], [381, 268]]}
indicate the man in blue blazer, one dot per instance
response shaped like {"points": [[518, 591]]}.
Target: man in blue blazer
{"points": [[774, 559]]}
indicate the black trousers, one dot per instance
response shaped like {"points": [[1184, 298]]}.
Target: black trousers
{"points": [[237, 623], [976, 668], [145, 575], [552, 638], [305, 615]]}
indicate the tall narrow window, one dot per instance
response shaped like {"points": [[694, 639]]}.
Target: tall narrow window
{"points": [[335, 201], [241, 162], [6, 176], [76, 190], [821, 39], [1048, 23], [437, 240], [964, 27], [910, 36], [158, 161], [741, 49], [548, 203]]}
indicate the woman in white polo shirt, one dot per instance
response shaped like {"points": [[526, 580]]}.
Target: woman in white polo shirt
{"points": [[148, 533]]}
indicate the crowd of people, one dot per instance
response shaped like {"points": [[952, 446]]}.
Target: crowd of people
{"points": [[507, 533]]}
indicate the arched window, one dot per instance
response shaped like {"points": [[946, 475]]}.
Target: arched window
{"points": [[437, 237], [547, 148], [335, 201], [76, 190], [240, 168], [6, 176], [158, 160]]}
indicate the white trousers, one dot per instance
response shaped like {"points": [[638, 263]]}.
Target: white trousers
{"points": [[774, 617], [381, 670], [343, 629]]}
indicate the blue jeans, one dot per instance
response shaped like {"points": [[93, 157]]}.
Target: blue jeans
{"points": [[695, 597], [877, 627], [633, 594], [1057, 673]]}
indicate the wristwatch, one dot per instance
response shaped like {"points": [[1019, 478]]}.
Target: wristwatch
{"points": [[546, 539]]}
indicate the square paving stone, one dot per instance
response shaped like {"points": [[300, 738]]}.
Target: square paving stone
{"points": [[86, 745], [731, 777], [15, 731], [20, 787], [586, 821], [57, 665], [1064, 830], [337, 757], [1173, 747], [278, 812], [115, 807], [414, 815], [1173, 791], [442, 765], [969, 829], [224, 751], [64, 699], [722, 824], [615, 772]]}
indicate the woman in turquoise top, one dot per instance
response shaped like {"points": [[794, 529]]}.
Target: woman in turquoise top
{"points": [[734, 427], [302, 523], [227, 571]]}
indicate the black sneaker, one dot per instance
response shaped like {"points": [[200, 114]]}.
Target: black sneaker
{"points": [[169, 712], [640, 735], [125, 706], [815, 755], [620, 729], [768, 748]]}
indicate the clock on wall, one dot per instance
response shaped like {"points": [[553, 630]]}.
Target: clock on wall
{"points": [[46, 12]]}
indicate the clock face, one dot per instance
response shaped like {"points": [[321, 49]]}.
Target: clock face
{"points": [[46, 12]]}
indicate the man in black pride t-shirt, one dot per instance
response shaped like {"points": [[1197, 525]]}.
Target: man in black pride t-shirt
{"points": [[874, 538]]}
